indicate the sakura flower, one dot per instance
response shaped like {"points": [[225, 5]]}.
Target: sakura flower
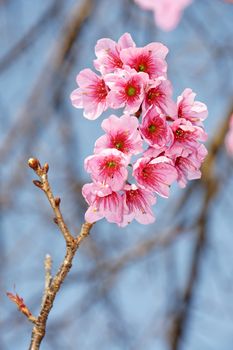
{"points": [[103, 202], [122, 134], [149, 59], [156, 174], [91, 94], [126, 89], [189, 109], [137, 204], [229, 138], [108, 167], [168, 138], [159, 93], [167, 13], [188, 166], [155, 130], [186, 135], [108, 53]]}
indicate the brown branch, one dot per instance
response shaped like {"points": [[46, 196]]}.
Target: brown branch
{"points": [[53, 201], [72, 244]]}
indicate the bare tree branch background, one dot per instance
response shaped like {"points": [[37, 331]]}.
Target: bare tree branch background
{"points": [[164, 286]]}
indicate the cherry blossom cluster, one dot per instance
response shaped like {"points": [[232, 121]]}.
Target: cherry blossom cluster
{"points": [[229, 138], [167, 13], [155, 142]]}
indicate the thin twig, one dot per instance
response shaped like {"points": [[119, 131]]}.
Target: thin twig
{"points": [[22, 307], [72, 244], [53, 201]]}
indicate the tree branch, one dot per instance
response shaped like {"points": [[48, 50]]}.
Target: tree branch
{"points": [[72, 244]]}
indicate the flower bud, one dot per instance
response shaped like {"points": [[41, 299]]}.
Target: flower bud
{"points": [[57, 201], [37, 183], [34, 163], [55, 220], [46, 168]]}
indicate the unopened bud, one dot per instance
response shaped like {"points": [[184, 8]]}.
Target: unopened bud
{"points": [[46, 168], [33, 163], [37, 183], [57, 201], [55, 220]]}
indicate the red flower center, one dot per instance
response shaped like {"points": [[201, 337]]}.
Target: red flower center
{"points": [[152, 128], [131, 90], [141, 67], [152, 95], [179, 134], [101, 90], [120, 142], [146, 172], [111, 164], [119, 145]]}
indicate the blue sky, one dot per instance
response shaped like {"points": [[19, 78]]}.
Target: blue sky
{"points": [[133, 309]]}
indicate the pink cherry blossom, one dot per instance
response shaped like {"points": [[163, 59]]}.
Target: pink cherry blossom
{"points": [[108, 53], [186, 136], [122, 134], [91, 94], [137, 205], [169, 135], [159, 93], [189, 109], [167, 13], [229, 138], [103, 202], [149, 59], [188, 166], [155, 130], [156, 174], [126, 89], [108, 167]]}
